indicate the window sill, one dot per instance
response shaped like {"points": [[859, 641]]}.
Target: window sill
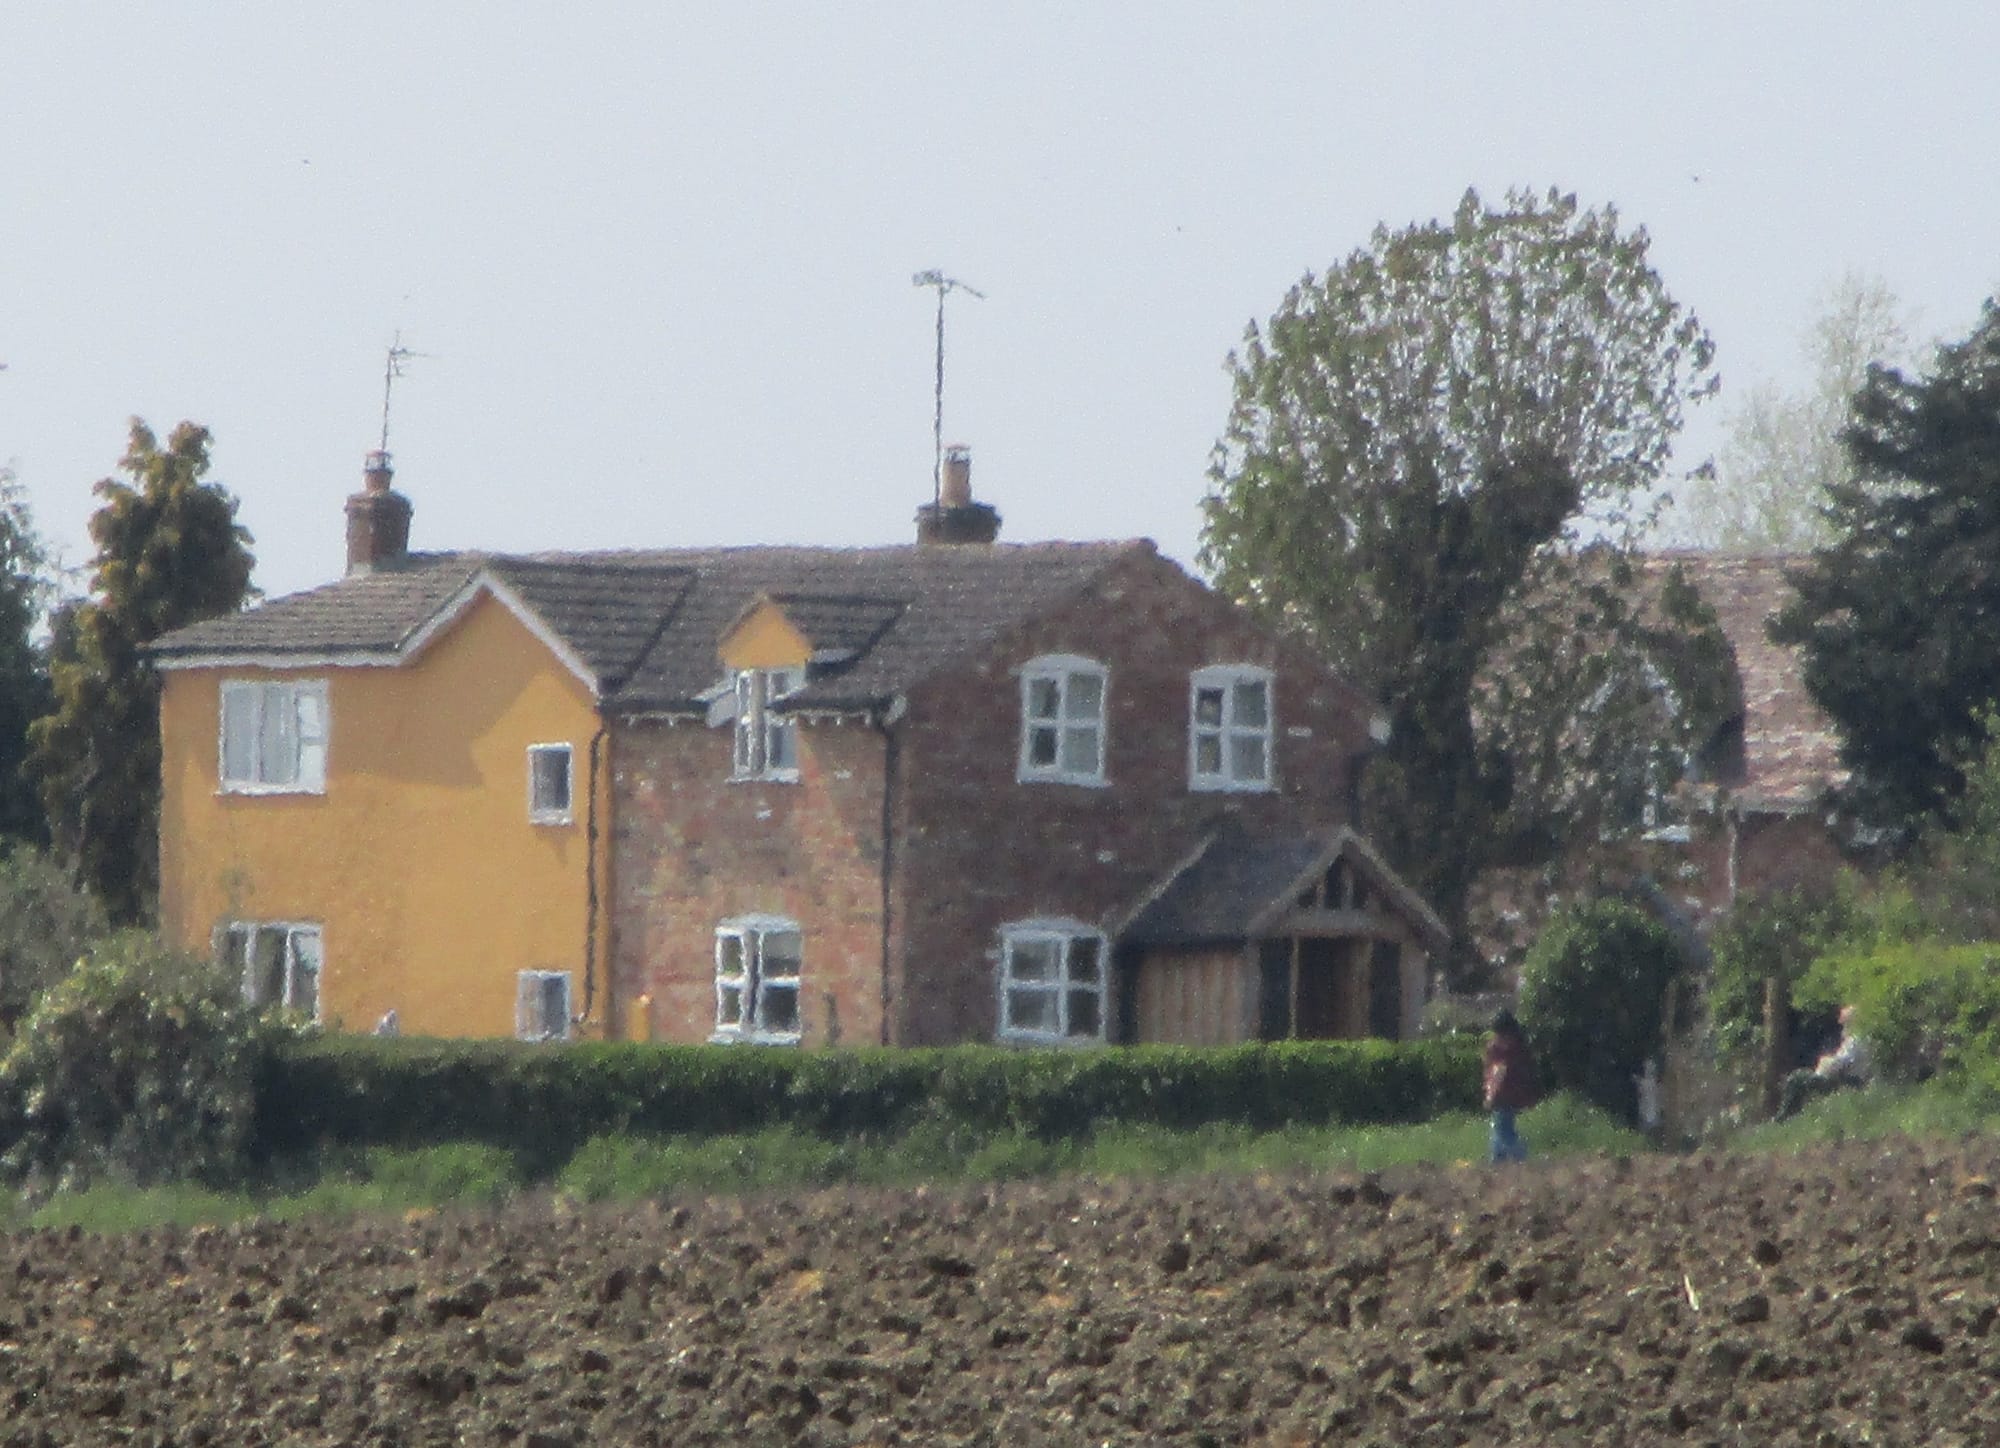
{"points": [[1082, 781], [1044, 1038], [784, 776], [1218, 785], [753, 1038], [265, 790], [551, 819]]}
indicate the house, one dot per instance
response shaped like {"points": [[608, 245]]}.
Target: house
{"points": [[950, 790], [1761, 812]]}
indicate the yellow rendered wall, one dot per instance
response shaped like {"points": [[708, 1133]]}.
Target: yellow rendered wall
{"points": [[419, 862], [764, 639]]}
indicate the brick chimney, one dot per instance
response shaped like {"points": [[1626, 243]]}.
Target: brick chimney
{"points": [[954, 517], [378, 519]]}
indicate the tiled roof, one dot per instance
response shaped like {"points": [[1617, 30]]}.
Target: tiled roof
{"points": [[646, 623], [1791, 752], [1240, 884], [375, 613]]}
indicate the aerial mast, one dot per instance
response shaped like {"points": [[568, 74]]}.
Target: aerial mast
{"points": [[944, 284]]}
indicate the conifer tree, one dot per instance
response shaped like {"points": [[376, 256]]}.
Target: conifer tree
{"points": [[1898, 618], [169, 552]]}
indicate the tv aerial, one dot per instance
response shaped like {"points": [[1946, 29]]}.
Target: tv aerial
{"points": [[944, 285]]}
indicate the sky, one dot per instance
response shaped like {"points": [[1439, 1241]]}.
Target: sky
{"points": [[654, 260]]}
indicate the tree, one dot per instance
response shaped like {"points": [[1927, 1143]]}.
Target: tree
{"points": [[1897, 619], [169, 552], [1417, 441], [1593, 999], [24, 681], [1783, 451]]}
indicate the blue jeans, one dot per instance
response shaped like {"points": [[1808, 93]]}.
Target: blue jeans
{"points": [[1505, 1144]]}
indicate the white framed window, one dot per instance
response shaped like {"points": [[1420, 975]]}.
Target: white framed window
{"points": [[278, 962], [550, 776], [541, 1005], [758, 960], [273, 736], [1062, 720], [1229, 728], [1053, 978], [767, 742]]}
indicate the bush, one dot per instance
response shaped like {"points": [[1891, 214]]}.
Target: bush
{"points": [[543, 1102], [1764, 937], [1592, 991], [1922, 1005], [47, 924], [139, 1065]]}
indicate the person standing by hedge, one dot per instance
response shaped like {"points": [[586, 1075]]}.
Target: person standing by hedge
{"points": [[1510, 1085]]}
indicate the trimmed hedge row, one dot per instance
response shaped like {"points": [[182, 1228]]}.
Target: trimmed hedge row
{"points": [[545, 1101]]}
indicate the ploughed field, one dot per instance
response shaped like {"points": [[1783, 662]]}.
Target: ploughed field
{"points": [[1848, 1295]]}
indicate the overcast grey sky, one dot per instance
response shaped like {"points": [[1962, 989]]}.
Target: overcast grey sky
{"points": [[660, 255]]}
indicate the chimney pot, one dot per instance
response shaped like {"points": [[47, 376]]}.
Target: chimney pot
{"points": [[955, 488]]}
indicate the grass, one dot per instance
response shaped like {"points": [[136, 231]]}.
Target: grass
{"points": [[633, 1168], [1932, 1109]]}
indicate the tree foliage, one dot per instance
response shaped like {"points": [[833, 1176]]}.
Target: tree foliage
{"points": [[24, 681], [1419, 439], [1897, 619], [169, 552], [47, 925], [1593, 998], [1783, 452], [139, 1065]]}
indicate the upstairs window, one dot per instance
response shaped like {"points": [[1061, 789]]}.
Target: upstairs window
{"points": [[1062, 720], [1052, 984], [549, 777], [274, 737], [767, 745], [757, 964], [278, 964], [541, 1005], [1229, 728]]}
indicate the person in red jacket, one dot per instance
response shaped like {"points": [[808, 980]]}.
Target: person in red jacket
{"points": [[1510, 1085]]}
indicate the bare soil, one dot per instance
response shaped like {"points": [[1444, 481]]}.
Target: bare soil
{"points": [[1845, 1296]]}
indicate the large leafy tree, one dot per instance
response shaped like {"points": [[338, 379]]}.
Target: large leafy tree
{"points": [[169, 552], [24, 682], [1783, 452], [1898, 618], [1418, 442]]}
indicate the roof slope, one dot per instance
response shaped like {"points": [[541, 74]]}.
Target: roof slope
{"points": [[1791, 751], [646, 623], [1240, 884]]}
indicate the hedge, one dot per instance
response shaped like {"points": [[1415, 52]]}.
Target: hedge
{"points": [[544, 1101]]}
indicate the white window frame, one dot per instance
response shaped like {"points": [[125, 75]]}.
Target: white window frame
{"points": [[759, 729], [753, 985], [261, 696], [1228, 730], [544, 814], [1063, 671], [535, 980], [233, 944], [1064, 936]]}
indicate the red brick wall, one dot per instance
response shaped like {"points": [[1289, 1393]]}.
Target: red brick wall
{"points": [[974, 849], [983, 849], [692, 848]]}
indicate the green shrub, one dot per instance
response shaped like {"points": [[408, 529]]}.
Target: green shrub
{"points": [[542, 1102], [47, 924], [140, 1065], [1765, 937], [1592, 991], [1922, 1005]]}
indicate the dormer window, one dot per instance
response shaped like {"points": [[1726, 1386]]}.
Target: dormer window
{"points": [[767, 745], [1229, 728], [1062, 720]]}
